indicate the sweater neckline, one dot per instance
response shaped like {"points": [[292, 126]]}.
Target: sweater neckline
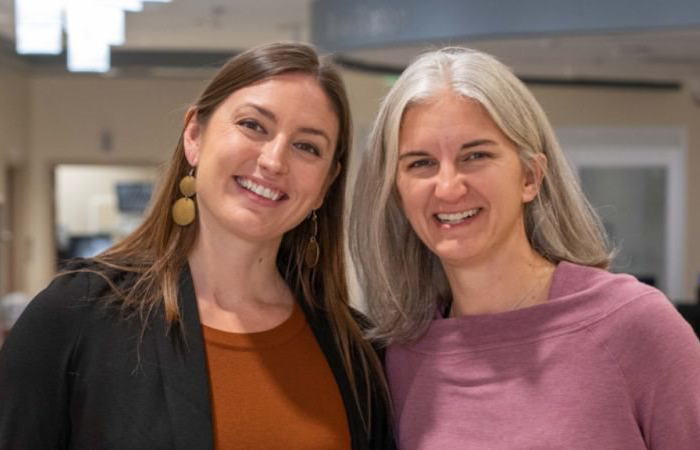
{"points": [[273, 337], [574, 301]]}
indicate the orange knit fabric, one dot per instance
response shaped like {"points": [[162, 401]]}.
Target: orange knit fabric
{"points": [[274, 389]]}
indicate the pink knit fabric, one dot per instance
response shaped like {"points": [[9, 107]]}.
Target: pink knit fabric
{"points": [[605, 363]]}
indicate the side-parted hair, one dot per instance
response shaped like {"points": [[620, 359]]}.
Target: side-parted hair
{"points": [[402, 279], [156, 252]]}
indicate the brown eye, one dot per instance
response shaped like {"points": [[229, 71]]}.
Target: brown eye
{"points": [[420, 163], [252, 124], [476, 155], [309, 148]]}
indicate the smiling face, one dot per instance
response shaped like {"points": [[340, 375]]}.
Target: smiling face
{"points": [[461, 182], [265, 157]]}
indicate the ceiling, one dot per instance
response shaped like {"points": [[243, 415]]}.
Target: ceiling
{"points": [[189, 33]]}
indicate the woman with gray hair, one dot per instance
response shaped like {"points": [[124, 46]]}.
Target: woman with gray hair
{"points": [[485, 273]]}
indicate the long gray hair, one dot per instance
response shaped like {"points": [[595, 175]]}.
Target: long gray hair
{"points": [[403, 280]]}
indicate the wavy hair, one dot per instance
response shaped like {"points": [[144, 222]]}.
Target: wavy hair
{"points": [[403, 280]]}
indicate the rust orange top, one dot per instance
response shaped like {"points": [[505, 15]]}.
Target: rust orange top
{"points": [[274, 389]]}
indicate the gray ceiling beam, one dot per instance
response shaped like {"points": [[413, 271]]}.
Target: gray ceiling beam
{"points": [[341, 25]]}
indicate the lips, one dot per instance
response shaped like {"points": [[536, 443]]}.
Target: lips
{"points": [[454, 218], [263, 191]]}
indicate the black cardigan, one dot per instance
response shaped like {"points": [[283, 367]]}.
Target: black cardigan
{"points": [[73, 374]]}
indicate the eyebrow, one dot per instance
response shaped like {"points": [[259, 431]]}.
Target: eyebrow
{"points": [[308, 130], [477, 143], [413, 154], [317, 132], [466, 145]]}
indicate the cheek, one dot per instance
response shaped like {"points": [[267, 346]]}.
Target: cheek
{"points": [[403, 188], [402, 195], [313, 180], [413, 208]]}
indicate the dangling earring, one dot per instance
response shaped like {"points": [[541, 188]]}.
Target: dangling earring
{"points": [[312, 250], [184, 209]]}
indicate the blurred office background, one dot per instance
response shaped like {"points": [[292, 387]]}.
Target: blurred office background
{"points": [[81, 151]]}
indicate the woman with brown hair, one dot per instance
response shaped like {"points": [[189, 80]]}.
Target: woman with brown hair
{"points": [[223, 320]]}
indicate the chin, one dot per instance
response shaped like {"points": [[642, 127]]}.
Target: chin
{"points": [[453, 253]]}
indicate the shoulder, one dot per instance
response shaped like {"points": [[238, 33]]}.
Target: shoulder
{"points": [[642, 332], [649, 322], [630, 308], [81, 284], [612, 301], [657, 354], [57, 313], [62, 298], [44, 338], [573, 279], [634, 321]]}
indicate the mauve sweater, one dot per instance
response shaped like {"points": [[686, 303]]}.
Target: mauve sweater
{"points": [[605, 363]]}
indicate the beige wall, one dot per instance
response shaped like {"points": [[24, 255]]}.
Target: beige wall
{"points": [[14, 114], [365, 92], [143, 116], [14, 132], [68, 115]]}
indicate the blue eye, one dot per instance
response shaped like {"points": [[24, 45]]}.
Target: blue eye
{"points": [[309, 148]]}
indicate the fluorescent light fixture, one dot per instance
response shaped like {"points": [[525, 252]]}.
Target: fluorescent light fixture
{"points": [[38, 25], [88, 56], [88, 48], [126, 5], [39, 38], [111, 24], [92, 26]]}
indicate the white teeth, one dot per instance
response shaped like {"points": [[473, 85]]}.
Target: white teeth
{"points": [[260, 190], [453, 218]]}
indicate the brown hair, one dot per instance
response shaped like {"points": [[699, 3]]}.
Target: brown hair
{"points": [[157, 251]]}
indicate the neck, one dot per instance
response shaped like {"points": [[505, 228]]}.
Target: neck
{"points": [[515, 280], [229, 271]]}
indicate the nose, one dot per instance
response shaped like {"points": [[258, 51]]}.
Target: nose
{"points": [[450, 184], [273, 155]]}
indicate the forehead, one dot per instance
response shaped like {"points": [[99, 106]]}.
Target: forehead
{"points": [[287, 86], [443, 104], [445, 112]]}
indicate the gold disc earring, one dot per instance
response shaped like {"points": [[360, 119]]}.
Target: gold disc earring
{"points": [[184, 210], [312, 250]]}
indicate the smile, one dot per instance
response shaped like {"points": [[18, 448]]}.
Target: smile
{"points": [[455, 218], [262, 191]]}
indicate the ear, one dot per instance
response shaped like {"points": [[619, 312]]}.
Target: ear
{"points": [[533, 177], [192, 137], [332, 175]]}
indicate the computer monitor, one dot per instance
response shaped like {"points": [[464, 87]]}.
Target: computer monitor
{"points": [[133, 197]]}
